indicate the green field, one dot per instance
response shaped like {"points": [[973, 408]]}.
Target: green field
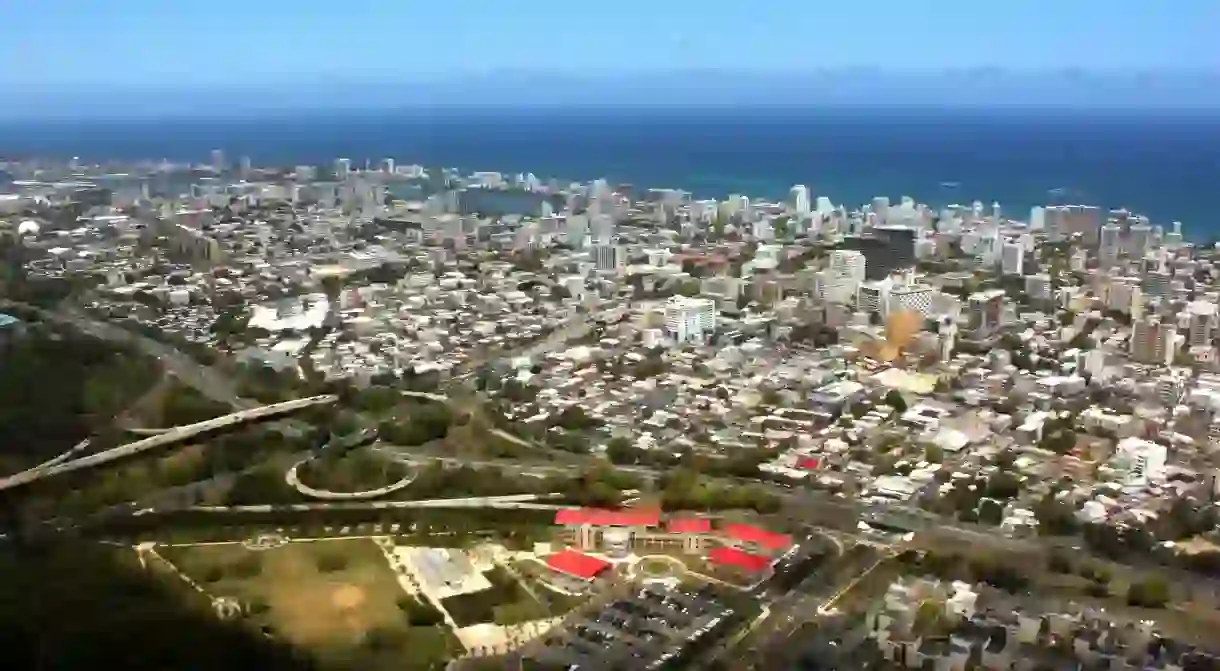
{"points": [[506, 602]]}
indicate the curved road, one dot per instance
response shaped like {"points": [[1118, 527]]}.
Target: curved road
{"points": [[294, 481]]}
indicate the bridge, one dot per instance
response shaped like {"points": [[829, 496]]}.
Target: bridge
{"points": [[165, 438]]}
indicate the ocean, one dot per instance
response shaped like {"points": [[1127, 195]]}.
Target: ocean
{"points": [[1159, 163]]}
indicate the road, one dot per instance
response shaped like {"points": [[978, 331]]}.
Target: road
{"points": [[175, 435], [511, 501], [203, 379]]}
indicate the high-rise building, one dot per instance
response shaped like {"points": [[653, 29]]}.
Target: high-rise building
{"points": [[1139, 240], [343, 168], [1202, 323], [844, 273], [910, 297], [218, 160], [602, 228], [246, 167], [1111, 244], [1153, 341], [609, 257], [985, 312], [1143, 459], [874, 297], [1012, 258], [1038, 287], [690, 319], [798, 198], [387, 166], [1037, 218]]}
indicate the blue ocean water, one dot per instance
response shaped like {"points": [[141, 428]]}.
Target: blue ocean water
{"points": [[1160, 163]]}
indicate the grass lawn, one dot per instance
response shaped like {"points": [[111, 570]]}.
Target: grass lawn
{"points": [[506, 602], [656, 567], [336, 598]]}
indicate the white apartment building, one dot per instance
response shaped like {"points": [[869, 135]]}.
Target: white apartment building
{"points": [[1143, 460], [798, 197], [873, 296], [690, 319], [844, 274], [1201, 322], [1111, 245], [609, 257], [1038, 287], [1153, 342], [912, 297], [1012, 258]]}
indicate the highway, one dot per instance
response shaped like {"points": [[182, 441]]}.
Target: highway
{"points": [[203, 379], [511, 501], [175, 435]]}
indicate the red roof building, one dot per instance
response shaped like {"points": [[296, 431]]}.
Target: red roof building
{"points": [[807, 463], [577, 564], [598, 517], [725, 556], [688, 525], [746, 533]]}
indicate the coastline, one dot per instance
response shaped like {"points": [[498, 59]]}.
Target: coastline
{"points": [[1151, 162]]}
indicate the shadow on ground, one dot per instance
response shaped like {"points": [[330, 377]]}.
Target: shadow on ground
{"points": [[69, 605]]}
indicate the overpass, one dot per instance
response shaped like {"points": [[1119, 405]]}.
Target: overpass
{"points": [[172, 436], [508, 502]]}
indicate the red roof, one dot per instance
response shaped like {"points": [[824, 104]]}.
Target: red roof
{"points": [[689, 525], [807, 463], [739, 558], [761, 537], [608, 518], [577, 564]]}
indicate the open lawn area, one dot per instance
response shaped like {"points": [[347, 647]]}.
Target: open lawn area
{"points": [[506, 602], [336, 598]]}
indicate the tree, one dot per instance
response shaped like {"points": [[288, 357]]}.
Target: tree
{"points": [[619, 450], [690, 288], [1151, 592], [895, 400], [933, 454], [990, 512]]}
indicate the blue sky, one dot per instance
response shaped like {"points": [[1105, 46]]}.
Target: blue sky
{"points": [[53, 46], [49, 42]]}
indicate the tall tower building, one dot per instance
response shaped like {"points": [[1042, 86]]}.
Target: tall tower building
{"points": [[1012, 258], [1037, 218], [218, 160], [844, 273], [798, 197], [1153, 341], [1202, 323], [343, 168], [1111, 244]]}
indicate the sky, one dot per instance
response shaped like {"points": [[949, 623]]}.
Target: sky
{"points": [[52, 47]]}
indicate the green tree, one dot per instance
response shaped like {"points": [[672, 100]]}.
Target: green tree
{"points": [[1151, 592], [895, 400], [690, 288]]}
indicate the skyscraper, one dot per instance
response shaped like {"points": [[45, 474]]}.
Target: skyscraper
{"points": [[1107, 253], [798, 197], [1152, 341], [844, 273], [1012, 258], [218, 160]]}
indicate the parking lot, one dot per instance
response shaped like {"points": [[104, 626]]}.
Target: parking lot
{"points": [[655, 628]]}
